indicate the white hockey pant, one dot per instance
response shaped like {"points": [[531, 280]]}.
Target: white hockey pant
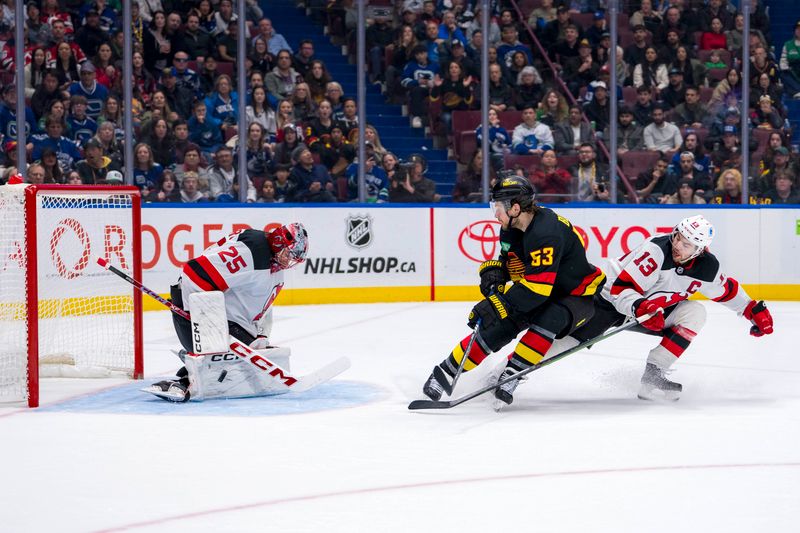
{"points": [[680, 327]]}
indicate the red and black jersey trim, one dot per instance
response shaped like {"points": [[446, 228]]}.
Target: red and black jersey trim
{"points": [[204, 275], [256, 241], [624, 281], [731, 289]]}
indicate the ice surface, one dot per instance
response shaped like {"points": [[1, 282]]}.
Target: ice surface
{"points": [[575, 452]]}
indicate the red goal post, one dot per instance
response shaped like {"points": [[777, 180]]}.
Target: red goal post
{"points": [[60, 314]]}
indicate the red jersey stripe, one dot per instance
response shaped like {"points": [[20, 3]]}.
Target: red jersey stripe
{"points": [[197, 280], [542, 277], [212, 272]]}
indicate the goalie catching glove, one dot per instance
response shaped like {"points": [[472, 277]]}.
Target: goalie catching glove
{"points": [[493, 277], [758, 314], [490, 311], [643, 307]]}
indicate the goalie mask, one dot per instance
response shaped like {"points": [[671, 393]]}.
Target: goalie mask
{"points": [[289, 245]]}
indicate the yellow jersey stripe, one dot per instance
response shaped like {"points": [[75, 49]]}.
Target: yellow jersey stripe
{"points": [[539, 288]]}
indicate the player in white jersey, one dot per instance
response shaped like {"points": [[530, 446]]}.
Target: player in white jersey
{"points": [[661, 274], [247, 268]]}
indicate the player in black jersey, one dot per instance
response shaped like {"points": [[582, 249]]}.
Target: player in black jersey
{"points": [[551, 294]]}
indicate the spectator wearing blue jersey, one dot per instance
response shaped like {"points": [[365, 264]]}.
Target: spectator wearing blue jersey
{"points": [[185, 77], [81, 127], [88, 87], [418, 77], [375, 180], [146, 172], [511, 45], [449, 30], [531, 137], [499, 140], [66, 150], [223, 103], [8, 115], [205, 131], [107, 17]]}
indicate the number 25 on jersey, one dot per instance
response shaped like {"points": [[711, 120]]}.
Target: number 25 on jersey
{"points": [[236, 261]]}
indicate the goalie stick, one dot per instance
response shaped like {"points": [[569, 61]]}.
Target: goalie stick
{"points": [[431, 404], [299, 384]]}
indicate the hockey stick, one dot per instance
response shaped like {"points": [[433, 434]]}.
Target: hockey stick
{"points": [[430, 404], [299, 384], [439, 373], [172, 307]]}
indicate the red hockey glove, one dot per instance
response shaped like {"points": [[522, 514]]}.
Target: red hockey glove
{"points": [[758, 314], [643, 307]]}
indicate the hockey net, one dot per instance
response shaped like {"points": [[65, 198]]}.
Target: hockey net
{"points": [[61, 315]]}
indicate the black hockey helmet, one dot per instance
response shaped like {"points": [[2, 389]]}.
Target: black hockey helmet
{"points": [[513, 189]]}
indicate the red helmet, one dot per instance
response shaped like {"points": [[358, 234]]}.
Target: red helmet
{"points": [[289, 245]]}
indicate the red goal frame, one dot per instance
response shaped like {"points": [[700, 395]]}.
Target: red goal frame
{"points": [[31, 275]]}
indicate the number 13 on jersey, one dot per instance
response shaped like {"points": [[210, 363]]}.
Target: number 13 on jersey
{"points": [[646, 267]]}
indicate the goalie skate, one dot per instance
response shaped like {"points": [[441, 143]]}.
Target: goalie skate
{"points": [[656, 387], [171, 391]]}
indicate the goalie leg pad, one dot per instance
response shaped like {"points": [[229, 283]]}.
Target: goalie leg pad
{"points": [[209, 323], [239, 374]]}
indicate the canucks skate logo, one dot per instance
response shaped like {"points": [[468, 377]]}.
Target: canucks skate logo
{"points": [[359, 231]]}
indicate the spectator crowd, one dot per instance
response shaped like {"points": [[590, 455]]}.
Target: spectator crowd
{"points": [[678, 65]]}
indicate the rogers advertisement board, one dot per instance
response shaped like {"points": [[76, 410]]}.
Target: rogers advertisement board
{"points": [[348, 248]]}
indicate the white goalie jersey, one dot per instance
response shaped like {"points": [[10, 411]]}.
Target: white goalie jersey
{"points": [[650, 272], [239, 265]]}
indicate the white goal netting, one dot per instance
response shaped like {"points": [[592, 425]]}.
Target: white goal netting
{"points": [[85, 315]]}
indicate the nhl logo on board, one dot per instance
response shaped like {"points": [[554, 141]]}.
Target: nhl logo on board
{"points": [[359, 231]]}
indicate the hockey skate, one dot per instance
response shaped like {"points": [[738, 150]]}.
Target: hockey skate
{"points": [[655, 384], [432, 388], [504, 394], [171, 391]]}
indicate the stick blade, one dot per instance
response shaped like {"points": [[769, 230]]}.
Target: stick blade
{"points": [[420, 405], [326, 373]]}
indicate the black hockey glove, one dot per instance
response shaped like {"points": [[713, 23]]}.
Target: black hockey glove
{"points": [[490, 311], [493, 277]]}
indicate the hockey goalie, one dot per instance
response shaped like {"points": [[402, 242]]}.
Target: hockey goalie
{"points": [[228, 292]]}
